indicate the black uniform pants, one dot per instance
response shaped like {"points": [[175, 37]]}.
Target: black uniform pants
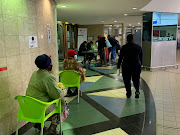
{"points": [[127, 75]]}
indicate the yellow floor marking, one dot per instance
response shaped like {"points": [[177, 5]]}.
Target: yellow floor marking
{"points": [[117, 131], [93, 79]]}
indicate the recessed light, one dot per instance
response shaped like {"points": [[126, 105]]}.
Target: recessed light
{"points": [[110, 25], [139, 23], [64, 6], [115, 21], [129, 24], [125, 14], [134, 8]]}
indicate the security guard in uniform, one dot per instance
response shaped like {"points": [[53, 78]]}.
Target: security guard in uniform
{"points": [[131, 60]]}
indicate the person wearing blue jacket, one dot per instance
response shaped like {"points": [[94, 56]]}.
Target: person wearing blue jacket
{"points": [[114, 44], [131, 60]]}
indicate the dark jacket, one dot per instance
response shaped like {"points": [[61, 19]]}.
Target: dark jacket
{"points": [[113, 41], [82, 48], [130, 57], [89, 46], [101, 44]]}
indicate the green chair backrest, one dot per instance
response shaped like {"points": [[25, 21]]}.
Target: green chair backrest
{"points": [[70, 78], [30, 108]]}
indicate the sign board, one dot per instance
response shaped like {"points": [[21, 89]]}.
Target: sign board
{"points": [[49, 33], [33, 42], [82, 35]]}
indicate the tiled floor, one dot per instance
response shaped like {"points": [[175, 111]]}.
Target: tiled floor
{"points": [[116, 131], [104, 108], [165, 87]]}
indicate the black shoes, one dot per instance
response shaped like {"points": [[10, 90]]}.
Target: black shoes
{"points": [[70, 93], [137, 95], [128, 95]]}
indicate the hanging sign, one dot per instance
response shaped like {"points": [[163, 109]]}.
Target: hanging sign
{"points": [[49, 33]]}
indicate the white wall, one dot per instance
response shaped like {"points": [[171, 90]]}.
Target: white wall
{"points": [[18, 20], [163, 53], [163, 6]]}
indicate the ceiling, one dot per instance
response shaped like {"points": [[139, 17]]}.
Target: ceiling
{"points": [[95, 11]]}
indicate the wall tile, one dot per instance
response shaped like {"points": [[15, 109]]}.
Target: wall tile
{"points": [[23, 26], [6, 126], [10, 25], [3, 63], [14, 122], [33, 57], [15, 84], [6, 107], [11, 5], [12, 45], [24, 44], [32, 9], [2, 46], [24, 12], [4, 88], [25, 79], [14, 65], [1, 24], [0, 7], [26, 62], [33, 29]]}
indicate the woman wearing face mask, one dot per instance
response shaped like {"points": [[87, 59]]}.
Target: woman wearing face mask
{"points": [[71, 63], [43, 86]]}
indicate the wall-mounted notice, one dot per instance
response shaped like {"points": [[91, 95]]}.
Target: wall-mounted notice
{"points": [[49, 33], [82, 35], [33, 42]]}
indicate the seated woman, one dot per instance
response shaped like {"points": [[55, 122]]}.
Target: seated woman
{"points": [[71, 63], [43, 86]]}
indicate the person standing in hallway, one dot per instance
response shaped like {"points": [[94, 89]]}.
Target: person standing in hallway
{"points": [[101, 44], [131, 60]]}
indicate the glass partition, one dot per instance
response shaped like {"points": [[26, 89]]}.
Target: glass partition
{"points": [[164, 26], [147, 27]]}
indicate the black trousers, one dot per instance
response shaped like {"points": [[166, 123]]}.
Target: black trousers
{"points": [[127, 75], [89, 57]]}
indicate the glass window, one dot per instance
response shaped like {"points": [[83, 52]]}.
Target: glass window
{"points": [[164, 26]]}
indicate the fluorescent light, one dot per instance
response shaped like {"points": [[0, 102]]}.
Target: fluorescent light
{"points": [[64, 6], [125, 14], [134, 8], [115, 21]]}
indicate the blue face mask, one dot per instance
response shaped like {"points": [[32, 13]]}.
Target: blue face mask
{"points": [[75, 57]]}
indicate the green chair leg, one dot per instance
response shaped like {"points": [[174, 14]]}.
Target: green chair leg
{"points": [[17, 128]]}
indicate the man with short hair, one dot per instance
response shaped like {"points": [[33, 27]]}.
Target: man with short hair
{"points": [[131, 60]]}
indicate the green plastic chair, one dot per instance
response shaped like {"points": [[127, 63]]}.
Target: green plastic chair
{"points": [[33, 110], [70, 78]]}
